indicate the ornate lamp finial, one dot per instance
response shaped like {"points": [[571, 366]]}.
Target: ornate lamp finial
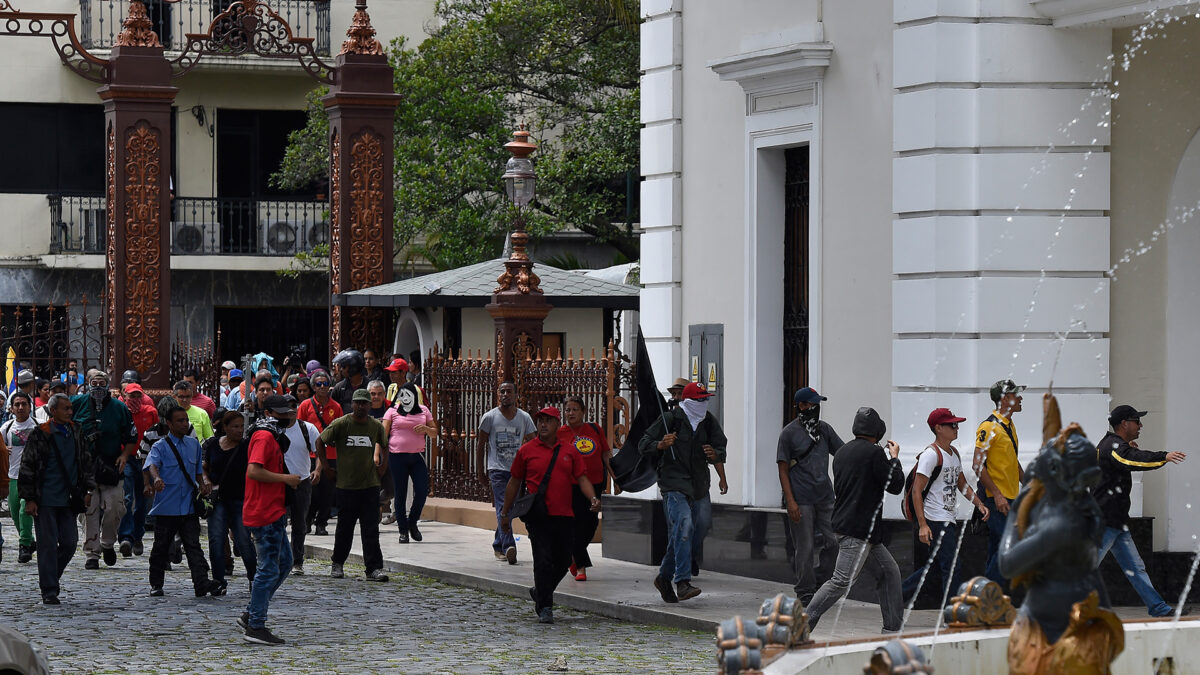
{"points": [[362, 34], [138, 31]]}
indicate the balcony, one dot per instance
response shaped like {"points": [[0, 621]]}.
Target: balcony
{"points": [[200, 226], [100, 20]]}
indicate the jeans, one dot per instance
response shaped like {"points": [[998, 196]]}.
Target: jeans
{"points": [[1126, 553], [701, 524], [681, 530], [404, 465], [586, 522], [499, 479], [551, 539], [948, 531], [995, 523], [23, 521], [102, 519], [361, 506], [133, 525], [854, 557], [814, 518], [57, 537], [188, 529], [274, 564], [226, 517], [298, 515]]}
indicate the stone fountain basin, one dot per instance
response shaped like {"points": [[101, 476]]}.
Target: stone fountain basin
{"points": [[984, 652]]}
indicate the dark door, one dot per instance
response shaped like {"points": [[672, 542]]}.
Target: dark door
{"points": [[795, 276], [278, 331]]}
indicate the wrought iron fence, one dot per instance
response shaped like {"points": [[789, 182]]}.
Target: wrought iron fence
{"points": [[461, 389], [200, 226], [202, 358], [100, 20], [46, 339]]}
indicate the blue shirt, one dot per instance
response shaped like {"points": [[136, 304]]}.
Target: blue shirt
{"points": [[176, 497], [233, 400]]}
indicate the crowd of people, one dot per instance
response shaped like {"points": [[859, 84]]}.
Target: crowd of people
{"points": [[278, 455]]}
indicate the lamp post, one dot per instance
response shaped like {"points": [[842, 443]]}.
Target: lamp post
{"points": [[518, 305]]}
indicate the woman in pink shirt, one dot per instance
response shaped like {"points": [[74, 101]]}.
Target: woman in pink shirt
{"points": [[406, 426]]}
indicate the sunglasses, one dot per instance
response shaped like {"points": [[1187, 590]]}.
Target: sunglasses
{"points": [[320, 384], [952, 425]]}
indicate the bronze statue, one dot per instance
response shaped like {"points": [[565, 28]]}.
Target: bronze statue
{"points": [[1051, 547]]}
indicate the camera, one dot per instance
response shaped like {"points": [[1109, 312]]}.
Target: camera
{"points": [[297, 355]]}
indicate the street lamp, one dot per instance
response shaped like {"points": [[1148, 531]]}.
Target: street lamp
{"points": [[518, 176]]}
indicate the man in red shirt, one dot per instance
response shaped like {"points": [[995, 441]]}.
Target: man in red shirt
{"points": [[133, 523], [551, 534], [265, 515], [320, 410]]}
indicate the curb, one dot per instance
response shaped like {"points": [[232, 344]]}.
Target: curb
{"points": [[633, 613]]}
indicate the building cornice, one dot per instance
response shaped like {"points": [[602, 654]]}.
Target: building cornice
{"points": [[1107, 13], [775, 66]]}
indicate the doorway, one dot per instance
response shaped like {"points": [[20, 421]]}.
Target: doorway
{"points": [[795, 275]]}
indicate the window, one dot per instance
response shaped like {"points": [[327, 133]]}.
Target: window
{"points": [[250, 147], [55, 148]]}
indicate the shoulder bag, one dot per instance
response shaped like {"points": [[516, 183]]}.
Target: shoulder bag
{"points": [[533, 506], [75, 500], [202, 505]]}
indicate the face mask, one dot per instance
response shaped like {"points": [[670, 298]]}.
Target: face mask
{"points": [[98, 393], [811, 415]]}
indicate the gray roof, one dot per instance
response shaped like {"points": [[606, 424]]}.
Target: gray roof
{"points": [[473, 285]]}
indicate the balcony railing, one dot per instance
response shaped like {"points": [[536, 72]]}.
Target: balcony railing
{"points": [[100, 20], [200, 226]]}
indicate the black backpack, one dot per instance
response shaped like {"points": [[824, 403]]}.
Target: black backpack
{"points": [[907, 506]]}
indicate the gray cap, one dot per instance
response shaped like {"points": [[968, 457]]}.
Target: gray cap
{"points": [[25, 377]]}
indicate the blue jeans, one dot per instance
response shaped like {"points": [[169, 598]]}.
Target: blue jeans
{"points": [[701, 524], [133, 523], [995, 523], [405, 465], [682, 515], [1126, 553], [944, 559], [228, 516], [274, 565], [499, 480]]}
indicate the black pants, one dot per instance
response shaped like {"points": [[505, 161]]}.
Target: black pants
{"points": [[298, 515], [551, 538], [57, 537], [188, 529], [322, 497], [361, 506], [586, 522]]}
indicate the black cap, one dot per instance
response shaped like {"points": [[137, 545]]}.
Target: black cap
{"points": [[278, 404], [1124, 412]]}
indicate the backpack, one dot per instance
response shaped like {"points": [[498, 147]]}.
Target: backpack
{"points": [[906, 505]]}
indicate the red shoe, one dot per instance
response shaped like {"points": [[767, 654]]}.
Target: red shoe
{"points": [[573, 570], [582, 576]]}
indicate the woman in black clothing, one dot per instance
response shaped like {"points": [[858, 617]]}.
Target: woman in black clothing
{"points": [[225, 463]]}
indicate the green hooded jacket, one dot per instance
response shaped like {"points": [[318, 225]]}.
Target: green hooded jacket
{"points": [[683, 467]]}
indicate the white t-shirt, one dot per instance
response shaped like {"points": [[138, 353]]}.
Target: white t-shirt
{"points": [[505, 436], [297, 459], [942, 500], [15, 435]]}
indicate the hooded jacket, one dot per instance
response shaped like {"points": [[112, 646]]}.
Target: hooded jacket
{"points": [[684, 467], [862, 472], [37, 455]]}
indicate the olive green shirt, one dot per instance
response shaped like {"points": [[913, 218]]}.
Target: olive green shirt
{"points": [[355, 443]]}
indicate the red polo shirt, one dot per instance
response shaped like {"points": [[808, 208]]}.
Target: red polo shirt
{"points": [[590, 444], [530, 465]]}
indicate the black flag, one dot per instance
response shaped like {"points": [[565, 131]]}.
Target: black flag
{"points": [[633, 471]]}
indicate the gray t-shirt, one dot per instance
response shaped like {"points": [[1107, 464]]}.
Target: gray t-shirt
{"points": [[505, 436], [808, 462]]}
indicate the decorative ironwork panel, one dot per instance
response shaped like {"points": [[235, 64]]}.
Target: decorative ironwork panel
{"points": [[60, 28], [143, 254], [368, 176], [335, 236], [203, 359], [110, 262], [45, 338]]}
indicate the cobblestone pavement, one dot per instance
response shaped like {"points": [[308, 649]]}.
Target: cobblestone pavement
{"points": [[108, 624]]}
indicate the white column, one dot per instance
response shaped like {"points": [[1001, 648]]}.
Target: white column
{"points": [[662, 189], [1001, 197]]}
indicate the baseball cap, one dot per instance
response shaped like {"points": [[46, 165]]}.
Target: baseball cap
{"points": [[694, 391], [397, 365], [229, 365], [236, 374], [943, 416], [548, 411], [25, 377], [58, 384], [808, 395], [1124, 412], [361, 395], [134, 386], [278, 404], [679, 383], [1003, 387]]}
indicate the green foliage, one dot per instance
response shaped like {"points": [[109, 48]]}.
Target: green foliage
{"points": [[567, 68]]}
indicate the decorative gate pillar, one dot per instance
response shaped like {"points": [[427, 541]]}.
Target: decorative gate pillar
{"points": [[361, 106], [137, 118]]}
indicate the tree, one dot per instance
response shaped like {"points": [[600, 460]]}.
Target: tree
{"points": [[567, 68]]}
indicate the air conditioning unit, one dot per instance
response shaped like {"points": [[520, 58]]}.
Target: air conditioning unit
{"points": [[281, 237], [318, 233], [195, 238]]}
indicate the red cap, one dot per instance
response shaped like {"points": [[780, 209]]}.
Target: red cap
{"points": [[134, 386], [943, 416], [693, 391], [549, 411], [398, 365]]}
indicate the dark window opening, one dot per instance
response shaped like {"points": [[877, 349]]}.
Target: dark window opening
{"points": [[55, 148], [795, 275], [278, 331]]}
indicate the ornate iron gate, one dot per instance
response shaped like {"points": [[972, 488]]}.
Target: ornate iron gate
{"points": [[47, 338]]}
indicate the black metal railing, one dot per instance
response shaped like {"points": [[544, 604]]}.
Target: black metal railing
{"points": [[100, 20], [200, 226]]}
